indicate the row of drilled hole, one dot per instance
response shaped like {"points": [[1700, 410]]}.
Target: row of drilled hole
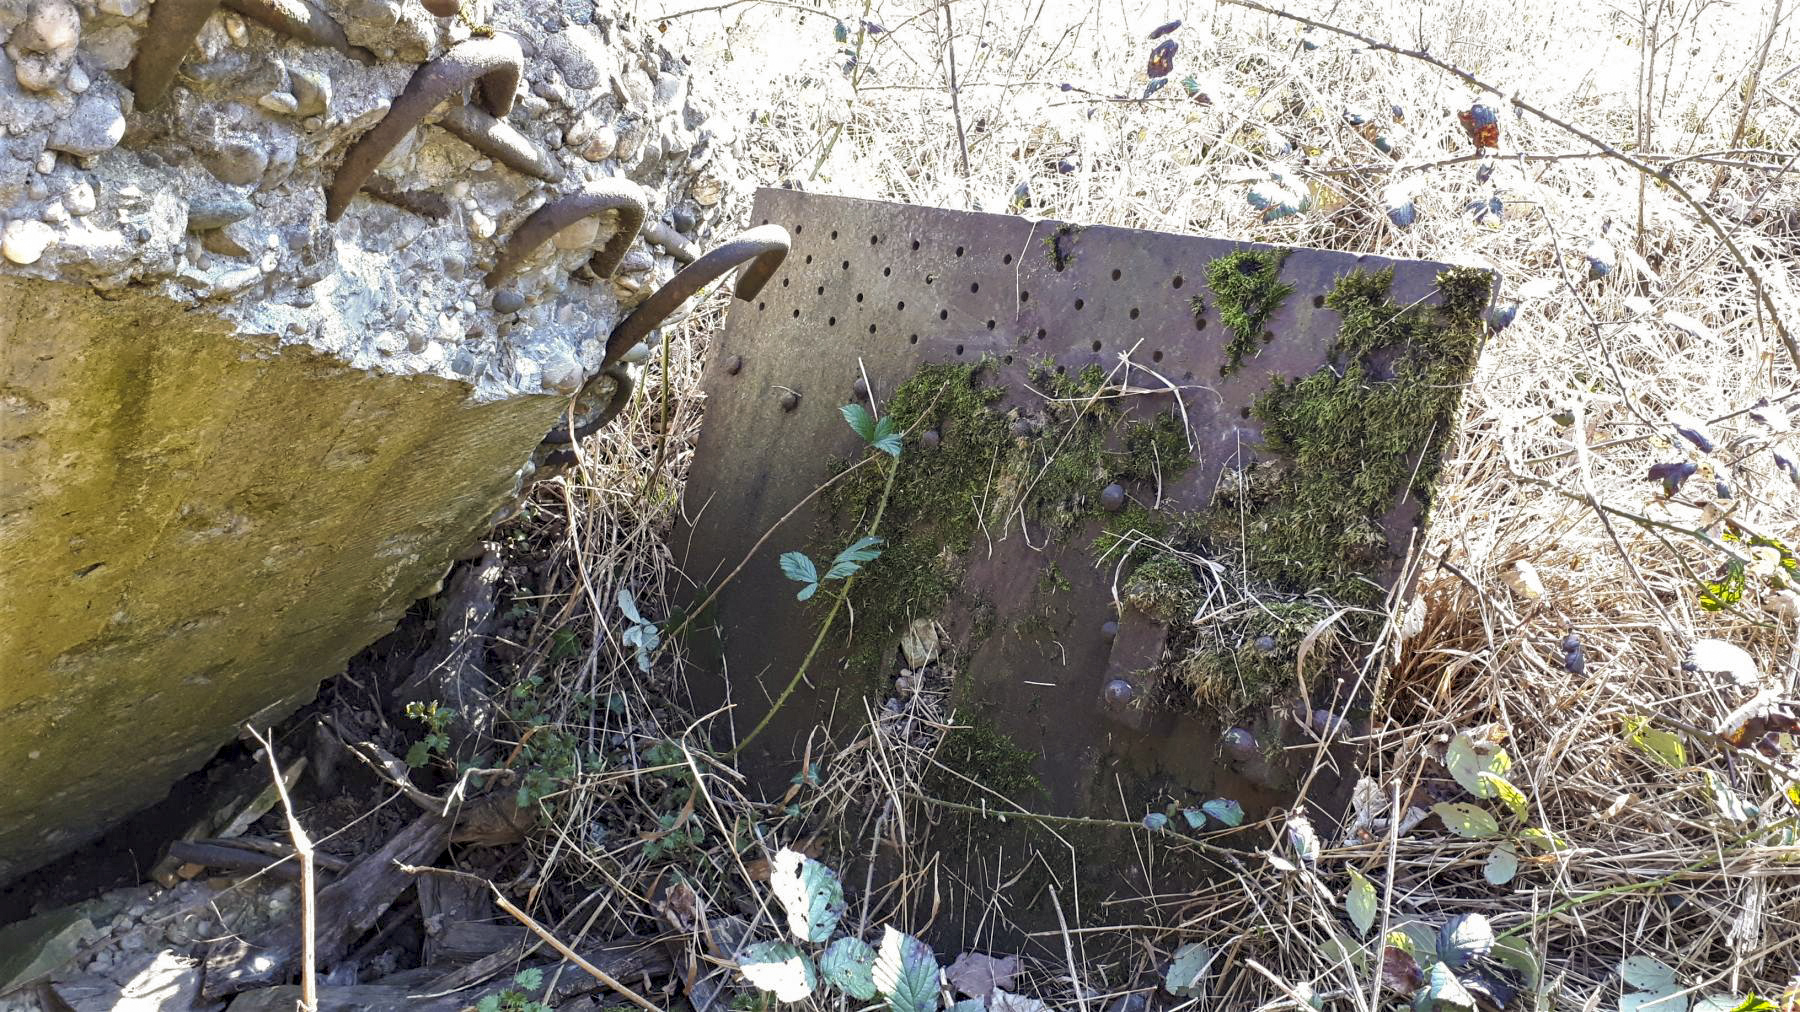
{"points": [[1176, 282]]}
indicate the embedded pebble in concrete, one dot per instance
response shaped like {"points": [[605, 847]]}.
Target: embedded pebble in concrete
{"points": [[43, 47], [25, 240], [95, 127]]}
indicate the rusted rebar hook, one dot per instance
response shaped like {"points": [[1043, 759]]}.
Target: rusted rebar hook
{"points": [[175, 23], [167, 38], [496, 61], [766, 245], [619, 195], [563, 436]]}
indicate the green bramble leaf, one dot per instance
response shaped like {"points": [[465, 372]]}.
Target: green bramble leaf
{"points": [[860, 420], [887, 437], [1467, 759], [779, 968], [809, 892], [1194, 816], [1187, 971], [1501, 865], [418, 755], [628, 605], [906, 973], [1665, 746], [1443, 991], [851, 559], [1502, 788], [1225, 810], [799, 568], [1464, 939], [848, 964]]}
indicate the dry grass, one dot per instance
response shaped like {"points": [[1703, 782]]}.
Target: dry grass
{"points": [[1649, 866]]}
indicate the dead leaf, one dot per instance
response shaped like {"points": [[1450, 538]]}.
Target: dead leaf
{"points": [[1524, 580], [977, 975], [1004, 1001]]}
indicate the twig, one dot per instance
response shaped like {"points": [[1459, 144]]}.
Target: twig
{"points": [[1069, 953], [542, 932], [1719, 157], [303, 853], [1668, 179], [962, 139]]}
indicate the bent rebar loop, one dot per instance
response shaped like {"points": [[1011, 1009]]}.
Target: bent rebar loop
{"points": [[496, 61], [558, 213], [766, 245], [623, 387]]}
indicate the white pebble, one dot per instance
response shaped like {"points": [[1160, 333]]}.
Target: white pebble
{"points": [[81, 198], [236, 29], [46, 162], [25, 240], [78, 79], [56, 213], [280, 102], [480, 225]]}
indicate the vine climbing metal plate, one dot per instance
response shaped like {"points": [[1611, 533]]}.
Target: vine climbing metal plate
{"points": [[1154, 491]]}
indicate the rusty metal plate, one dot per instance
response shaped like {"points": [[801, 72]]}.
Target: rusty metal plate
{"points": [[881, 289]]}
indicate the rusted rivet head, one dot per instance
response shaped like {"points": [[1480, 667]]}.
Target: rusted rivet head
{"points": [[1239, 744], [1109, 630], [734, 365], [1119, 692], [1112, 498], [508, 301], [860, 388], [931, 439], [790, 400]]}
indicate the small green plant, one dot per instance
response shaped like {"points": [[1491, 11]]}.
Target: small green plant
{"points": [[518, 997], [1479, 766], [675, 837], [883, 436], [642, 636], [436, 741], [903, 970], [800, 568]]}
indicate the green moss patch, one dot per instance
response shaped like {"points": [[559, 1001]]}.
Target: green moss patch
{"points": [[1251, 659], [981, 752], [1163, 588], [986, 465], [1300, 525], [1247, 288], [1351, 440]]}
